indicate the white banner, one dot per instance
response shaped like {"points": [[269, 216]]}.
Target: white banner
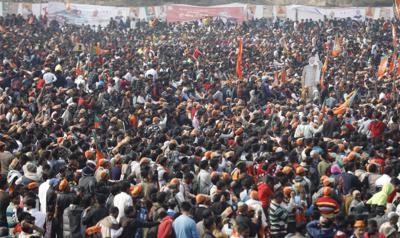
{"points": [[100, 15], [85, 14], [318, 13]]}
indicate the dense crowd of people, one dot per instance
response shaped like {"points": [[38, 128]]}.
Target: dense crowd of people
{"points": [[145, 130]]}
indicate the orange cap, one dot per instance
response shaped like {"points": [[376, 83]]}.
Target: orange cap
{"points": [[63, 185], [359, 224], [323, 177], [88, 154], [254, 195], [299, 170], [287, 190], [327, 191], [287, 169], [200, 198], [174, 181]]}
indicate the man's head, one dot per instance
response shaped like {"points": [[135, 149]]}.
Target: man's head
{"points": [[130, 211], [114, 212], [325, 222], [30, 203], [393, 218], [125, 186], [279, 197], [186, 207], [372, 227]]}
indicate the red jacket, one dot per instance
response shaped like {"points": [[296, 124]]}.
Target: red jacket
{"points": [[165, 228], [376, 128], [264, 194]]}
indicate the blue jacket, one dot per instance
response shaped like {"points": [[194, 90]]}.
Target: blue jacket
{"points": [[185, 227], [317, 232]]}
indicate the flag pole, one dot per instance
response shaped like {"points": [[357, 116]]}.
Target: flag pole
{"points": [[394, 28]]}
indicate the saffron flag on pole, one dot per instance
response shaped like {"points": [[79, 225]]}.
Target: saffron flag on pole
{"points": [[382, 67], [99, 154], [324, 69], [337, 49], [239, 60], [341, 109], [393, 62], [396, 9]]}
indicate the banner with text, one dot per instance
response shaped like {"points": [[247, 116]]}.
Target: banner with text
{"points": [[182, 13]]}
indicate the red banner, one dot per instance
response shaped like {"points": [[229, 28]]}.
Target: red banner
{"points": [[182, 13]]}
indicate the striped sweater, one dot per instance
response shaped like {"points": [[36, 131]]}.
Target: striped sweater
{"points": [[277, 219]]}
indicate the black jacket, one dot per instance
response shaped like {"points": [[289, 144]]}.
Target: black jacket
{"points": [[246, 221], [132, 226]]}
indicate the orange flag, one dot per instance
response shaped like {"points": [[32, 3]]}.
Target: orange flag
{"points": [[239, 60], [392, 63], [78, 70], [342, 108], [337, 49], [394, 33], [98, 50], [396, 9], [324, 69], [382, 67]]}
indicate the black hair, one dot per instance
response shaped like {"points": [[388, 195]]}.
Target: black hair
{"points": [[129, 209], [125, 186], [113, 210], [30, 202], [203, 164], [186, 206]]}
